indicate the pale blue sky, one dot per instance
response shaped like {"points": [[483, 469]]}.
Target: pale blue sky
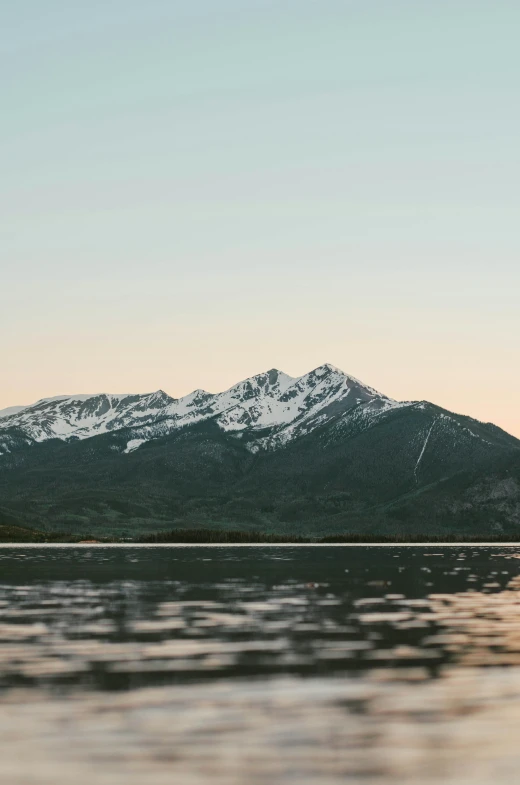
{"points": [[194, 191]]}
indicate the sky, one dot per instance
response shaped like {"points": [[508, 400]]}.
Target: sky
{"points": [[195, 191]]}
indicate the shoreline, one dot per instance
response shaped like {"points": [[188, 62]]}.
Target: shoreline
{"points": [[260, 545]]}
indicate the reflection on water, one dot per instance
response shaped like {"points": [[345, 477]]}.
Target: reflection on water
{"points": [[259, 665]]}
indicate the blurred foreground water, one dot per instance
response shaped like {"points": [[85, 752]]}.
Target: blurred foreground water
{"points": [[261, 665]]}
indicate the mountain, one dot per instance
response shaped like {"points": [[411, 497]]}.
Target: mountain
{"points": [[320, 454], [271, 400]]}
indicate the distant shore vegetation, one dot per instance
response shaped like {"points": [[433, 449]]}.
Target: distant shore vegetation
{"points": [[20, 535]]}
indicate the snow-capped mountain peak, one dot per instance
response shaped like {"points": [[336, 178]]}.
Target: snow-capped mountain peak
{"points": [[270, 402]]}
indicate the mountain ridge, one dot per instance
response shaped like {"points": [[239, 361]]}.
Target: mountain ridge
{"points": [[321, 454], [271, 399]]}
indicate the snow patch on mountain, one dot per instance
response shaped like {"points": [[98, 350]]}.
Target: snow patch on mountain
{"points": [[133, 444], [10, 411]]}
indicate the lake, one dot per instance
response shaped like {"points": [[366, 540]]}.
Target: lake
{"points": [[262, 665]]}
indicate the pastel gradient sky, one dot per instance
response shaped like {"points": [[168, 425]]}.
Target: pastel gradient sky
{"points": [[194, 191]]}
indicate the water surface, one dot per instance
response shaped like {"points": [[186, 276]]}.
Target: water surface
{"points": [[259, 664]]}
